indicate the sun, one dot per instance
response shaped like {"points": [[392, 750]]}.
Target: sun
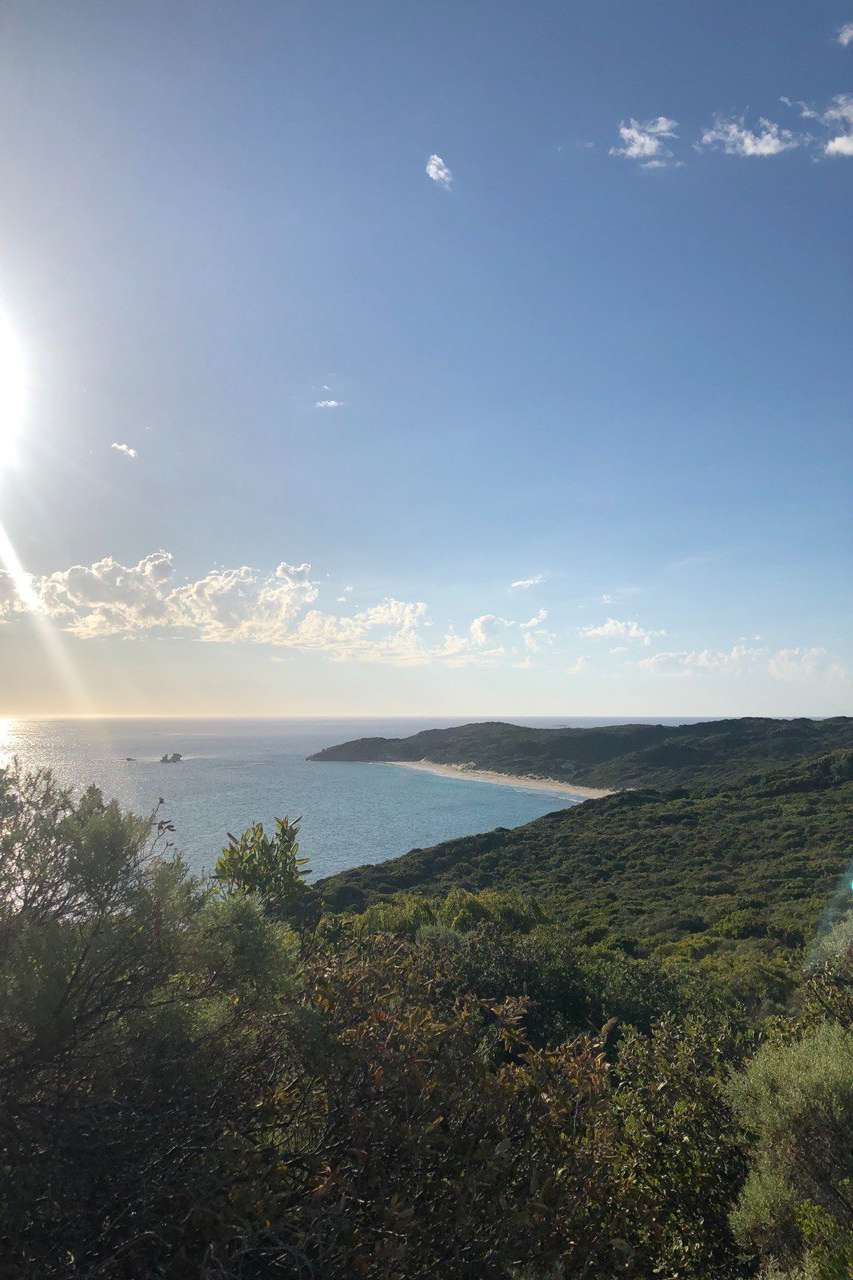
{"points": [[13, 390]]}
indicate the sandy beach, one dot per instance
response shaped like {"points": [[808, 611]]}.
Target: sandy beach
{"points": [[532, 783]]}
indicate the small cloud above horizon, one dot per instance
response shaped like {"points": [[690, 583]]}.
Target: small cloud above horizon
{"points": [[838, 113], [524, 584], [646, 142], [124, 448], [439, 172], [844, 35], [328, 404], [535, 621], [733, 137], [613, 628]]}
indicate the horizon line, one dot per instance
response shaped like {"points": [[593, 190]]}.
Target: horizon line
{"points": [[403, 715]]}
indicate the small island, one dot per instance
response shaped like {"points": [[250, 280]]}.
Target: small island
{"points": [[174, 758]]}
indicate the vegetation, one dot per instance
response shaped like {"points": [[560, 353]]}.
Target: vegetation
{"points": [[624, 755], [733, 881], [213, 1080]]}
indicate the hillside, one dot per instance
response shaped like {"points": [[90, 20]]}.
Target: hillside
{"points": [[630, 755], [758, 862]]}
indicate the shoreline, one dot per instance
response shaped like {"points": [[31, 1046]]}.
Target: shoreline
{"points": [[533, 783]]}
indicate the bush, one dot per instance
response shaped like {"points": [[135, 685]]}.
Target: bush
{"points": [[795, 1100]]}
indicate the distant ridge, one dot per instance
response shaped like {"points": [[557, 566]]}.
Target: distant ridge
{"points": [[614, 756]]}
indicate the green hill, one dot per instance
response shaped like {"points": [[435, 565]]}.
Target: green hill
{"points": [[756, 863], [629, 755]]}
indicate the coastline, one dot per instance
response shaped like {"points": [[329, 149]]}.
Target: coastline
{"points": [[534, 783]]}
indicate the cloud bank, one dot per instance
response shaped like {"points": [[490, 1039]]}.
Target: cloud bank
{"points": [[788, 665], [243, 605]]}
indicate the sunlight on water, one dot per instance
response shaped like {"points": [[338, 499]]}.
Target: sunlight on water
{"points": [[236, 772], [7, 741]]}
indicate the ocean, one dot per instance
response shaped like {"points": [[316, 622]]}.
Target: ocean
{"points": [[235, 772]]}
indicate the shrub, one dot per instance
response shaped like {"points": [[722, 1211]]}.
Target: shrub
{"points": [[796, 1102]]}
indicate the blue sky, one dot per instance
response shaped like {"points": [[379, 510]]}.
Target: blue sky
{"points": [[600, 341]]}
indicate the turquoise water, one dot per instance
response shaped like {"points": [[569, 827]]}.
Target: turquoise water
{"points": [[239, 771]]}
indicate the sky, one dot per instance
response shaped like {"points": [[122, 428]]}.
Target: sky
{"points": [[426, 358]]}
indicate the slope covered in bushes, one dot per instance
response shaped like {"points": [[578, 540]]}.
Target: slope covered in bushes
{"points": [[746, 868]]}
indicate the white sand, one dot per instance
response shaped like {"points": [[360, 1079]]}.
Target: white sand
{"points": [[533, 783]]}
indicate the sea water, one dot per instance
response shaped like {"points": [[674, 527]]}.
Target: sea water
{"points": [[234, 772]]}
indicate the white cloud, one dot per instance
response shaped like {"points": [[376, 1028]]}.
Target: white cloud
{"points": [[607, 599], [124, 448], [791, 665], [839, 112], [244, 605], [577, 666], [736, 139], [538, 639], [226, 605], [483, 630], [845, 34], [614, 629], [645, 142], [537, 618], [108, 598], [241, 604], [328, 404], [10, 601], [524, 584], [701, 660], [386, 632], [439, 172]]}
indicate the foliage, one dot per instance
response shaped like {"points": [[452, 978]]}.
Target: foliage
{"points": [[678, 1149], [406, 914], [203, 1081], [270, 867], [731, 882], [795, 1100], [130, 1023]]}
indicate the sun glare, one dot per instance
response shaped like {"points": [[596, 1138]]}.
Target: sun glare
{"points": [[13, 389], [7, 726]]}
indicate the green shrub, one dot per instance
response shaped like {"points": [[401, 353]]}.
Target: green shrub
{"points": [[270, 868], [795, 1100]]}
